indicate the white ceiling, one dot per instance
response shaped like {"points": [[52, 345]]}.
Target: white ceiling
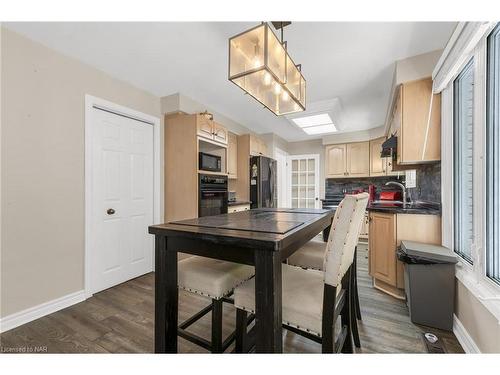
{"points": [[350, 63]]}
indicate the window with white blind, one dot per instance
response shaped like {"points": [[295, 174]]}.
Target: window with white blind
{"points": [[493, 158], [463, 91]]}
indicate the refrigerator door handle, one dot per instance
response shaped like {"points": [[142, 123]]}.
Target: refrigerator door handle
{"points": [[272, 182]]}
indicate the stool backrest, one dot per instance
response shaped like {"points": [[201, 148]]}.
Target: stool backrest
{"points": [[343, 238]]}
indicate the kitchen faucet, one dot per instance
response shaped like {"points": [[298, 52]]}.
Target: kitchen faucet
{"points": [[403, 188]]}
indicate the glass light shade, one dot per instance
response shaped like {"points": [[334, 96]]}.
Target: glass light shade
{"points": [[260, 65]]}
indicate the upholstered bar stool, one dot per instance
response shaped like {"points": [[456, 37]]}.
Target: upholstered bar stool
{"points": [[311, 256], [214, 279], [313, 300]]}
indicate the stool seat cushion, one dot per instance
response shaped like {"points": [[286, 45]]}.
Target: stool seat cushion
{"points": [[311, 255], [302, 298], [211, 277]]}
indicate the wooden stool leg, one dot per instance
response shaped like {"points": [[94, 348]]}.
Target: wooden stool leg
{"points": [[355, 287], [347, 316], [241, 330], [352, 316], [216, 326], [328, 319]]}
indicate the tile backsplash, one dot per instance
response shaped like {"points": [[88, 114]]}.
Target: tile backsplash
{"points": [[428, 184]]}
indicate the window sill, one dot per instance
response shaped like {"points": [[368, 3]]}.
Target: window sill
{"points": [[487, 293]]}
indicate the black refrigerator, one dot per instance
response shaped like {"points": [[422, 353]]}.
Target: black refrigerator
{"points": [[262, 182]]}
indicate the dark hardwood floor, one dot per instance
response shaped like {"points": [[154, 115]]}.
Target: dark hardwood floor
{"points": [[121, 320]]}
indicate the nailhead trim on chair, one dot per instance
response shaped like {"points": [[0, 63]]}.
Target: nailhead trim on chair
{"points": [[225, 294], [287, 323]]}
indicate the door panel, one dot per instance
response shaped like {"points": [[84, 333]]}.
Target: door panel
{"points": [[305, 181], [205, 127], [335, 156], [220, 133], [382, 247], [122, 196], [378, 165], [358, 157]]}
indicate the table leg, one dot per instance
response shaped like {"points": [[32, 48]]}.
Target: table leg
{"points": [[166, 297], [326, 233], [268, 302]]}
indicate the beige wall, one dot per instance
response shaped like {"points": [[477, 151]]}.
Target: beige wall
{"points": [[482, 326], [417, 67], [42, 170]]}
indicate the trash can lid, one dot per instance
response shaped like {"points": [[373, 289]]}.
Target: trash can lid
{"points": [[429, 252]]}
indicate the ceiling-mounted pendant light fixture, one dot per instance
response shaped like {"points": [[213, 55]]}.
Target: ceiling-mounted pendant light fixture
{"points": [[260, 64]]}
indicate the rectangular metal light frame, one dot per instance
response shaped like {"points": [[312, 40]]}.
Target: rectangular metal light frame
{"points": [[300, 102]]}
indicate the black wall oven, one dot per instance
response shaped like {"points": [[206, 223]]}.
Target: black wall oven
{"points": [[212, 198], [209, 162]]}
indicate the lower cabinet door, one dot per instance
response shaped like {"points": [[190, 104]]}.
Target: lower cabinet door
{"points": [[382, 247]]}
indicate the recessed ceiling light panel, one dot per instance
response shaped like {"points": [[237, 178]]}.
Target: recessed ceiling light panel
{"points": [[314, 120], [315, 124], [320, 129]]}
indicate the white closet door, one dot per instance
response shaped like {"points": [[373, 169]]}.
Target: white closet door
{"points": [[122, 196], [304, 181]]}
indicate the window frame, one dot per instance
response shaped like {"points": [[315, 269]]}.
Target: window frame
{"points": [[469, 41], [469, 64], [491, 129]]}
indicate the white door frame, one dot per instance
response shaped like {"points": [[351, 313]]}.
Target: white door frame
{"points": [[283, 172], [92, 102], [316, 175]]}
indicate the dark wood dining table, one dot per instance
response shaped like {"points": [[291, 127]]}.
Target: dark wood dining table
{"points": [[263, 238]]}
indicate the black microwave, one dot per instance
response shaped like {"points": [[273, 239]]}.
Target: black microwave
{"points": [[209, 162]]}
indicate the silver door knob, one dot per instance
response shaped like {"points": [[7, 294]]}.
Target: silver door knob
{"points": [[110, 211]]}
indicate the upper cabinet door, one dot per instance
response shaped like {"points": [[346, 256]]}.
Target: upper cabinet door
{"points": [[220, 133], [378, 165], [358, 159], [420, 135], [432, 149], [335, 161], [205, 127], [257, 146]]}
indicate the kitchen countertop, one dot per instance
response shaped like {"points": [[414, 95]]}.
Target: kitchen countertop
{"points": [[237, 203], [415, 208]]}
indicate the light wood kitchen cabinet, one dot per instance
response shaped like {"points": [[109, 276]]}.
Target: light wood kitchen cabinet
{"points": [[185, 136], [211, 130], [417, 123], [378, 165], [335, 161], [204, 127], [382, 245], [347, 160], [387, 230], [220, 133], [232, 155], [257, 146], [358, 159], [248, 145]]}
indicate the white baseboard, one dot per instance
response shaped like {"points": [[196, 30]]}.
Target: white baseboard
{"points": [[22, 317], [463, 337]]}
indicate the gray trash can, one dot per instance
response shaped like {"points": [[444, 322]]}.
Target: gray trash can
{"points": [[429, 283]]}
